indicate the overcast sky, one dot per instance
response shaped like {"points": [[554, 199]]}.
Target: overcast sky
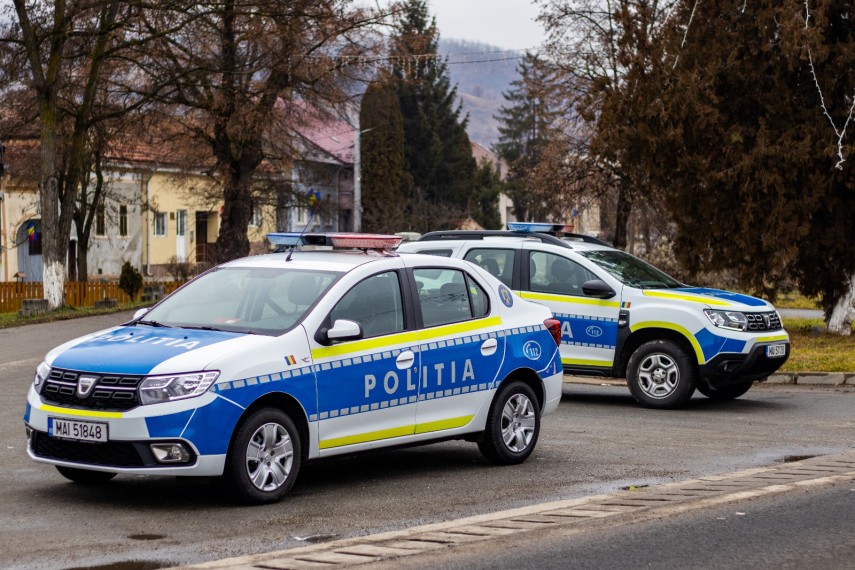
{"points": [[504, 23]]}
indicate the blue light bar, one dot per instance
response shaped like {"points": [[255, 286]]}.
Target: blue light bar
{"points": [[530, 227], [289, 239]]}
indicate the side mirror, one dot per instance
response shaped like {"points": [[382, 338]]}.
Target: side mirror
{"points": [[344, 329], [140, 313], [597, 288]]}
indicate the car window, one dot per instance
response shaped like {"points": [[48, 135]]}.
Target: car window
{"points": [[438, 252], [630, 270], [550, 273], [244, 299], [374, 303], [448, 296], [498, 262]]}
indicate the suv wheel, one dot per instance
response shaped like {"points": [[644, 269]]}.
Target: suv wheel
{"points": [[726, 392], [513, 425], [265, 457], [661, 375]]}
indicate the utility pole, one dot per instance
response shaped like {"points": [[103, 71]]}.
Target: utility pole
{"points": [[357, 180]]}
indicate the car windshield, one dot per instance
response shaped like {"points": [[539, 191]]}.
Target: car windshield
{"points": [[255, 300], [630, 270]]}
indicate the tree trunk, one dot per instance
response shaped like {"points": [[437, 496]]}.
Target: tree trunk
{"points": [[54, 242], [843, 313], [623, 210], [232, 241]]}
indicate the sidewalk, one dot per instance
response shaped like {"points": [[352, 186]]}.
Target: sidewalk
{"points": [[784, 378]]}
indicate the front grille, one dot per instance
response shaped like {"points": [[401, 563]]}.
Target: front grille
{"points": [[111, 392], [764, 321], [111, 453]]}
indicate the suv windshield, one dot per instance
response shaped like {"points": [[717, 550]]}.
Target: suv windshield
{"points": [[254, 300], [631, 270]]}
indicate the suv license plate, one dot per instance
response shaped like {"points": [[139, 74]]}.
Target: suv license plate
{"points": [[77, 430], [776, 350]]}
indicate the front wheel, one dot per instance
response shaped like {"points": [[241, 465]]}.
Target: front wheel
{"points": [[661, 375], [265, 457], [84, 476], [726, 392], [513, 425]]}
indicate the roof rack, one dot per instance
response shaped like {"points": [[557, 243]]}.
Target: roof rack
{"points": [[545, 237]]}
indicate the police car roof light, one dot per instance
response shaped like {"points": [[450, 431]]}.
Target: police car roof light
{"points": [[531, 227], [288, 239], [366, 241]]}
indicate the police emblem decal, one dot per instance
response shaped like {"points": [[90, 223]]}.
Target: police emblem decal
{"points": [[506, 296], [85, 385]]}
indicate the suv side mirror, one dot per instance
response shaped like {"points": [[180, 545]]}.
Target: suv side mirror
{"points": [[344, 329], [597, 288]]}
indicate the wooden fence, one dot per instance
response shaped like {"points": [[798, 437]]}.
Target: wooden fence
{"points": [[77, 293]]}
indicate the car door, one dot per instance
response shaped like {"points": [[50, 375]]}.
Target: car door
{"points": [[589, 325], [368, 388], [461, 344]]}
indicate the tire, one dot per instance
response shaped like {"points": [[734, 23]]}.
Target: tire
{"points": [[513, 425], [85, 476], [661, 375], [725, 392], [264, 458]]}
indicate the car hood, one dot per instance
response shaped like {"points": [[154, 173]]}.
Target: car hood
{"points": [[713, 298], [141, 349]]}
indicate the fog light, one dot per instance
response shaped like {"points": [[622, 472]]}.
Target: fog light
{"points": [[170, 452]]}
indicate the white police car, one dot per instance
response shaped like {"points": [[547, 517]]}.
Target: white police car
{"points": [[265, 362], [622, 317]]}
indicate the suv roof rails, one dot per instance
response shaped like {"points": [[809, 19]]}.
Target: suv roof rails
{"points": [[481, 234]]}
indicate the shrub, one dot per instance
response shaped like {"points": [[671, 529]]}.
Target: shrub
{"points": [[131, 280]]}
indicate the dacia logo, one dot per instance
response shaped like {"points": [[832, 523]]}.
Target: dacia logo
{"points": [[85, 385], [594, 332], [531, 350]]}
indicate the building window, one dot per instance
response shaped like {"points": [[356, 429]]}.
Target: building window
{"points": [[301, 215], [100, 220], [255, 217], [123, 221], [181, 223], [160, 223]]}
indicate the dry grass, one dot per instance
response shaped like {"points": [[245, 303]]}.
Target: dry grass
{"points": [[8, 320], [815, 350]]}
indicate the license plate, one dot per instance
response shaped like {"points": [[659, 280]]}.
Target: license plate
{"points": [[77, 430], [776, 350]]}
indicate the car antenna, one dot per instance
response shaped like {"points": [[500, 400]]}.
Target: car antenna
{"points": [[308, 223]]}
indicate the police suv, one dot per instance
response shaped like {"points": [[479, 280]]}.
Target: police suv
{"points": [[265, 362], [624, 318]]}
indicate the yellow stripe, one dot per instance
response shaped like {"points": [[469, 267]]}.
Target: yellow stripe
{"points": [[81, 413], [699, 353], [452, 423], [690, 298], [586, 362], [773, 338], [404, 338], [426, 427], [567, 299]]}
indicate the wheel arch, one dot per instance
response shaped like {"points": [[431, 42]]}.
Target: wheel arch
{"points": [[647, 334], [287, 404], [532, 379]]}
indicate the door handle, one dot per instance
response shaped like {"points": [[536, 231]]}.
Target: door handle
{"points": [[489, 346], [405, 359]]}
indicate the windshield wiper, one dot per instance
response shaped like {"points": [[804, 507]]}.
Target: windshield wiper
{"points": [[153, 324], [202, 328]]}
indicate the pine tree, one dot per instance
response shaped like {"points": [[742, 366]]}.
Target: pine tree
{"points": [[437, 148], [527, 126], [386, 183]]}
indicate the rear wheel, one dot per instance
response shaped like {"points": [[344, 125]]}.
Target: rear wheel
{"points": [[661, 375], [84, 476], [726, 392], [265, 457], [513, 425]]}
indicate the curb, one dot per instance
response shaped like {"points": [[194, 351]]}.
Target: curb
{"points": [[780, 378]]}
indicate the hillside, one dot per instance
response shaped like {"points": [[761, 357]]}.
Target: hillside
{"points": [[481, 72]]}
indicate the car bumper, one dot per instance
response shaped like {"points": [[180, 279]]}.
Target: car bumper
{"points": [[726, 369]]}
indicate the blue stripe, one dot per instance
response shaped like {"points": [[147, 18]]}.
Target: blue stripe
{"points": [[725, 295]]}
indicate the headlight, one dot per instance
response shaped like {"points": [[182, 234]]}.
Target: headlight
{"points": [[158, 389], [42, 373], [731, 320]]}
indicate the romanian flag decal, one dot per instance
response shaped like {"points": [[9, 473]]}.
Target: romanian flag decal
{"points": [[290, 359]]}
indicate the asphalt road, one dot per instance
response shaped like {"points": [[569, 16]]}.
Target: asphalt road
{"points": [[599, 440]]}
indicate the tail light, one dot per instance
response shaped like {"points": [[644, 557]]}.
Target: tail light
{"points": [[554, 327]]}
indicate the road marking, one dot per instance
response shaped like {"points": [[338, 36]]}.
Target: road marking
{"points": [[20, 362], [574, 515]]}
